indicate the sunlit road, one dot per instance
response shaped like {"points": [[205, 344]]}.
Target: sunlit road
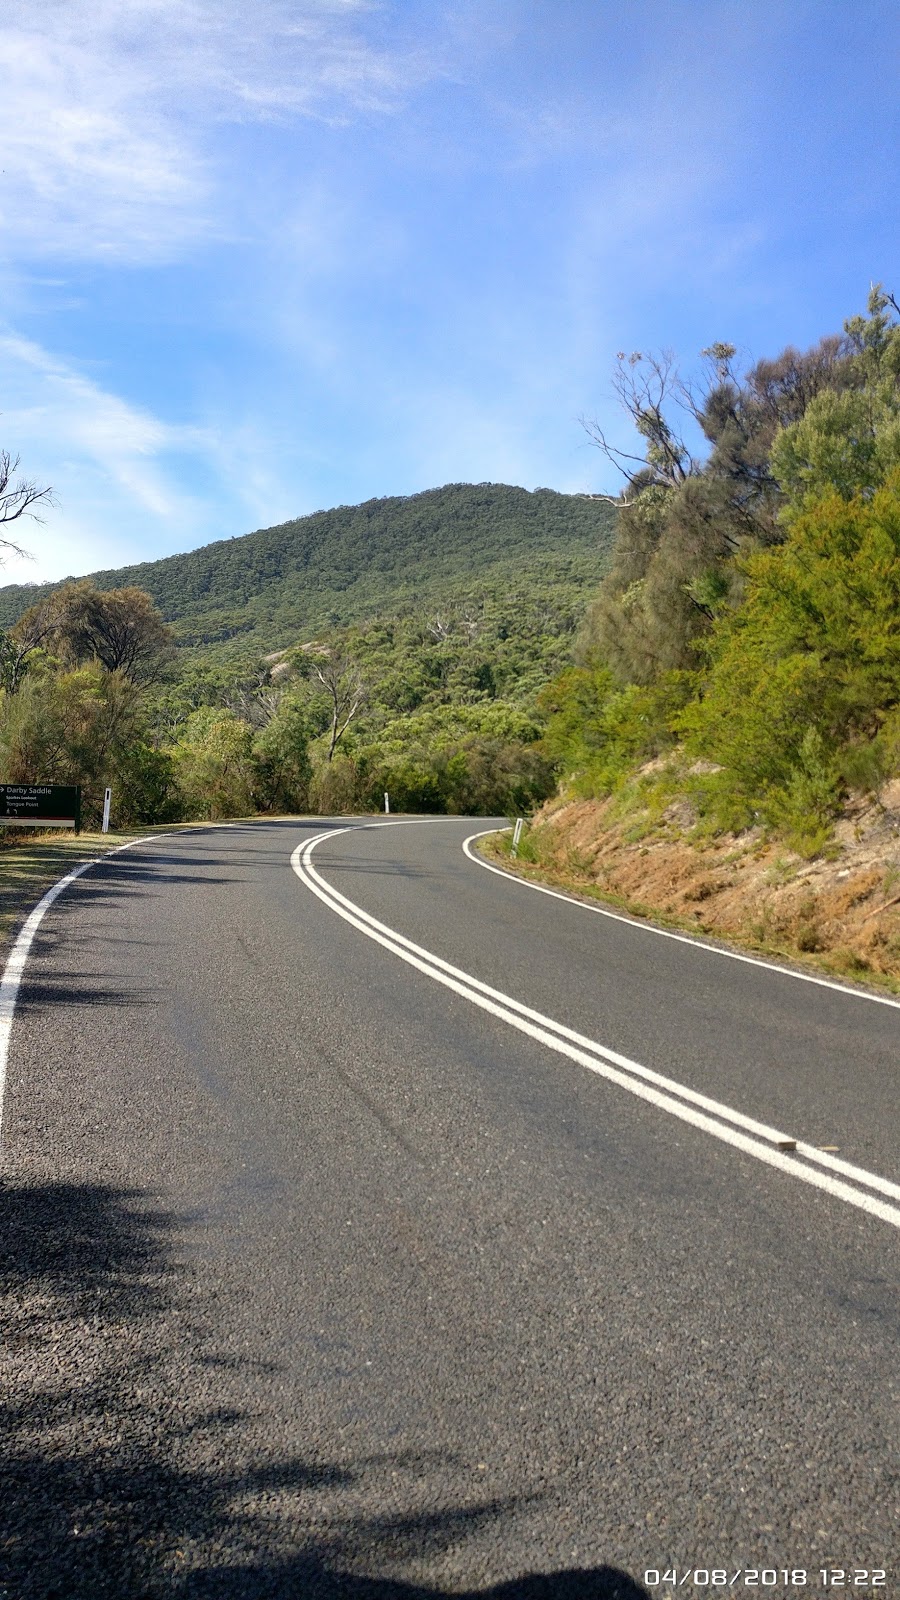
{"points": [[335, 1264]]}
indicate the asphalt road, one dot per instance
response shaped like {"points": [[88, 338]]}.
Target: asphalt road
{"points": [[319, 1279]]}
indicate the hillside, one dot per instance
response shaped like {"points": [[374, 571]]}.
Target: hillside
{"points": [[337, 567]]}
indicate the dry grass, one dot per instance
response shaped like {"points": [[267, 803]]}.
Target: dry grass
{"points": [[31, 863], [839, 913]]}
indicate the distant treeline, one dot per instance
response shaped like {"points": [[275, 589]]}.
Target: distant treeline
{"points": [[381, 558], [430, 695]]}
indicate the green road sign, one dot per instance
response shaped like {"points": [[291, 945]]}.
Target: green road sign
{"points": [[40, 805]]}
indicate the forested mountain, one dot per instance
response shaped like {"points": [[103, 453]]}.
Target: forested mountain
{"points": [[386, 557], [401, 644]]}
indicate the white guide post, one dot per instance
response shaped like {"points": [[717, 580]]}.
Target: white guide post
{"points": [[106, 803], [387, 804], [517, 834]]}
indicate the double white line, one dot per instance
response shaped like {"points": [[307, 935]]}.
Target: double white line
{"points": [[840, 1179]]}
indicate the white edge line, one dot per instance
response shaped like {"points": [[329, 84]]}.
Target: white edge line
{"points": [[465, 986], [774, 1135], [822, 1157], [667, 933], [18, 955]]}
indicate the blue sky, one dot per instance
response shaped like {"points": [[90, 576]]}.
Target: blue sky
{"points": [[263, 258]]}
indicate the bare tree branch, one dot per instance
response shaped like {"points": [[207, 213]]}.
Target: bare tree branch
{"points": [[18, 497], [347, 690], [646, 385], [598, 437]]}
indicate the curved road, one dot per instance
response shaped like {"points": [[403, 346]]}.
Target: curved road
{"points": [[375, 1225]]}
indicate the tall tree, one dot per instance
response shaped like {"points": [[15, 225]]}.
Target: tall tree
{"points": [[120, 628], [848, 436], [685, 518]]}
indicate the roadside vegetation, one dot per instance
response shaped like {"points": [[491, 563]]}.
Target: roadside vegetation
{"points": [[734, 695], [744, 650]]}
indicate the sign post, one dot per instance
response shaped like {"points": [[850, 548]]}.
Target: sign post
{"points": [[106, 802], [40, 805]]}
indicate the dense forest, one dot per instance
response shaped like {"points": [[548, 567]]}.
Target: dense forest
{"points": [[726, 630]]}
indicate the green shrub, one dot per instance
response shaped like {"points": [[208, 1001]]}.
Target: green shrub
{"points": [[803, 677], [598, 732], [213, 765]]}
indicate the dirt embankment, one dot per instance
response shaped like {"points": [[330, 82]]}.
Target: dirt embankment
{"points": [[841, 910]]}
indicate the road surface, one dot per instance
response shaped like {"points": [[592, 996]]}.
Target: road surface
{"points": [[375, 1225]]}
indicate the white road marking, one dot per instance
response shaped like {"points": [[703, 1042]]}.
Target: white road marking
{"points": [[18, 955], [667, 933], [716, 1119]]}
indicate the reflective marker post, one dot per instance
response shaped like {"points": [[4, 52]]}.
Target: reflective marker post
{"points": [[387, 804], [106, 800], [517, 834]]}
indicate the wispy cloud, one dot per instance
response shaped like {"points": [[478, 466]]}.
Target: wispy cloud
{"points": [[90, 421], [367, 245], [112, 466], [110, 107]]}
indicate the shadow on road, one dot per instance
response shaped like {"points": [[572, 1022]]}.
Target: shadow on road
{"points": [[125, 1472], [312, 1582], [70, 989]]}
